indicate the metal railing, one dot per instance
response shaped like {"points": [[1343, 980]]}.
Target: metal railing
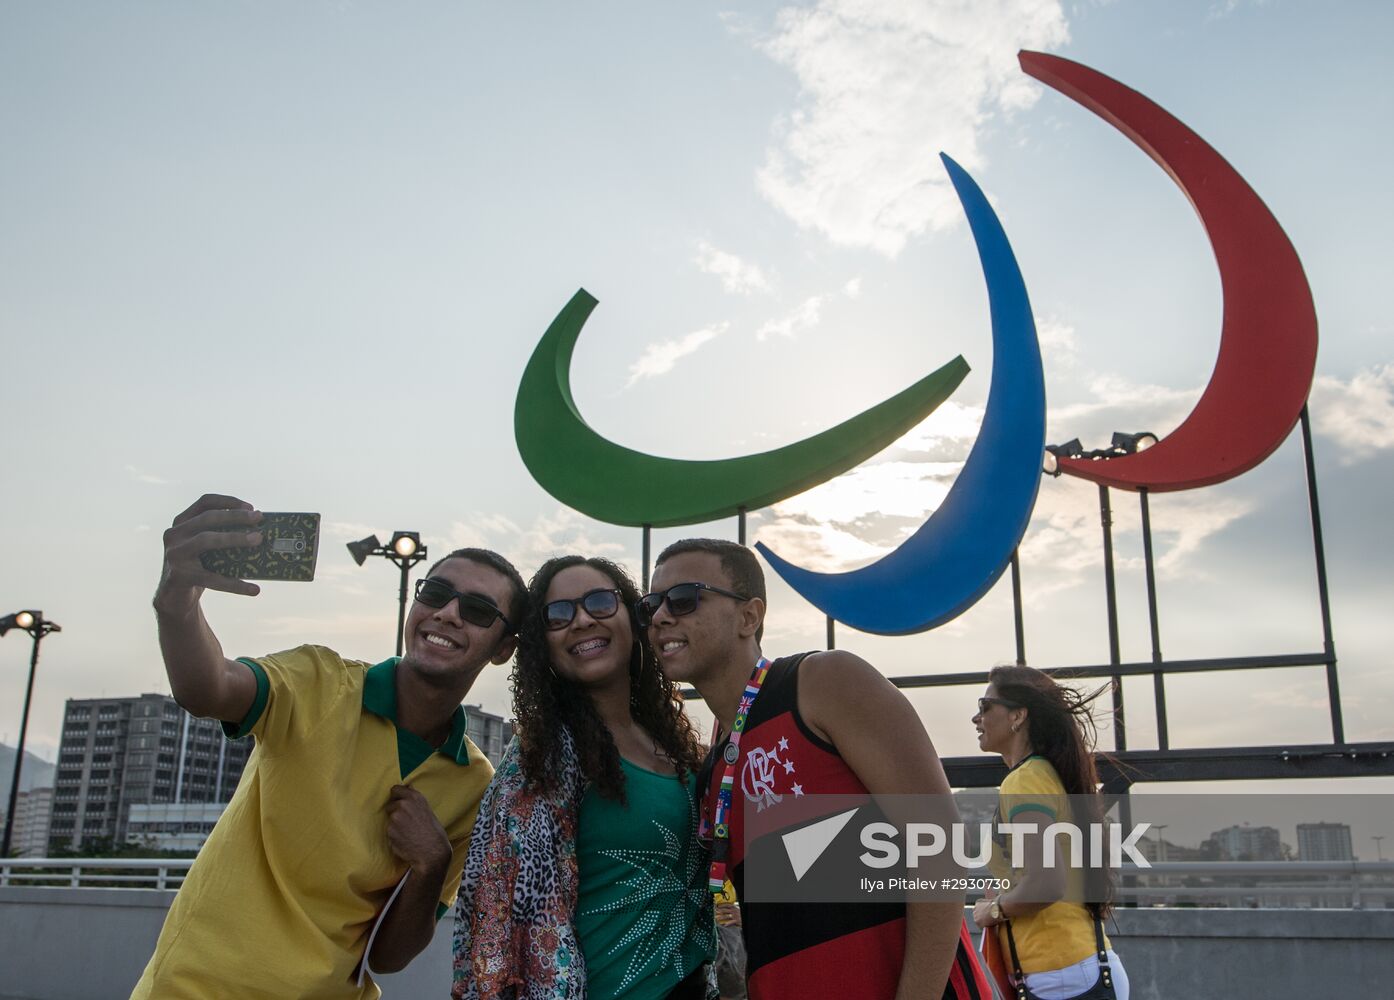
{"points": [[95, 873], [1237, 881], [1336, 876]]}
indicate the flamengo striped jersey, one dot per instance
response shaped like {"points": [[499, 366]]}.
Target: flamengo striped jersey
{"points": [[851, 951]]}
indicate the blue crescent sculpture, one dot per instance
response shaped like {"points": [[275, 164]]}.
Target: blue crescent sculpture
{"points": [[956, 556]]}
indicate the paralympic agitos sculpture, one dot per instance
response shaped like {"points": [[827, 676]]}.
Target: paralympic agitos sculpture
{"points": [[957, 555], [1268, 338], [1260, 383], [622, 486]]}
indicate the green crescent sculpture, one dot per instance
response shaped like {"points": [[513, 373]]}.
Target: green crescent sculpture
{"points": [[621, 486]]}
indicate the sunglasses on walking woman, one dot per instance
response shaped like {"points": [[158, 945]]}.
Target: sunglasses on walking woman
{"points": [[986, 703]]}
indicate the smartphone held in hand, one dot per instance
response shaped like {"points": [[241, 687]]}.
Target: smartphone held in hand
{"points": [[288, 550]]}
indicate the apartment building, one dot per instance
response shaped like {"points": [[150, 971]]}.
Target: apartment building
{"points": [[117, 753], [487, 731]]}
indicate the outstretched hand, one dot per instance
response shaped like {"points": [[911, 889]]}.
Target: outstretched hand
{"points": [[414, 833], [213, 522]]}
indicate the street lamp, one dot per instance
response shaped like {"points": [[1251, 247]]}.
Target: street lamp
{"points": [[405, 549], [34, 623]]}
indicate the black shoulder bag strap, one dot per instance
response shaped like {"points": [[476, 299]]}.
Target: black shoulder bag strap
{"points": [[1102, 988]]}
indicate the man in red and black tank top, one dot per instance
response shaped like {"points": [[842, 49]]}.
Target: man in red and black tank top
{"points": [[823, 723]]}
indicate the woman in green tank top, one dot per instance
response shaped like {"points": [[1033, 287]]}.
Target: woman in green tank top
{"points": [[585, 876]]}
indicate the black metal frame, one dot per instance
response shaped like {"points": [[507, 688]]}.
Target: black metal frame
{"points": [[1122, 768]]}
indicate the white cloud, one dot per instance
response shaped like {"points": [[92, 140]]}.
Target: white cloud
{"points": [[1063, 544], [561, 532], [885, 86], [1358, 415], [952, 427], [1119, 404], [147, 477], [804, 317], [889, 489], [853, 288], [736, 275], [1225, 8], [659, 359], [824, 548], [347, 531], [1057, 340]]}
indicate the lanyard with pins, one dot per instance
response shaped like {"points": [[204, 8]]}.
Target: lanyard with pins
{"points": [[721, 832]]}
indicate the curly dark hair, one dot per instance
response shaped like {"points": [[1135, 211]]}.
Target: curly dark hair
{"points": [[544, 701], [1060, 724]]}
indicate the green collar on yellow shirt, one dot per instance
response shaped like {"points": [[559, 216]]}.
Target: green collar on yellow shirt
{"points": [[380, 698]]}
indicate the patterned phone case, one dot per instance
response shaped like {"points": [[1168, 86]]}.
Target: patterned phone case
{"points": [[288, 550]]}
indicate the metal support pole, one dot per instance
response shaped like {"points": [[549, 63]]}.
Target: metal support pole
{"points": [[1120, 740], [648, 528], [402, 604], [740, 525], [832, 639], [19, 751], [1333, 688], [1125, 818], [1016, 610], [1158, 679]]}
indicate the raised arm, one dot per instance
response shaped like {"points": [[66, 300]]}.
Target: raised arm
{"points": [[879, 734], [203, 680]]}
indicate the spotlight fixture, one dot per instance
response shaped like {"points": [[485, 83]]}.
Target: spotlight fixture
{"points": [[404, 549], [1050, 461], [405, 543], [1127, 444], [20, 619], [363, 548], [1122, 444]]}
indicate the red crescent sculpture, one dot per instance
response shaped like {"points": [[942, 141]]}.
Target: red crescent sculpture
{"points": [[1268, 337]]}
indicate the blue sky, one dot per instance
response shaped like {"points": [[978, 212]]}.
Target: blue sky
{"points": [[301, 253]]}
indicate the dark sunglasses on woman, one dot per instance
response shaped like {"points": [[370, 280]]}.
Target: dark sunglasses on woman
{"points": [[986, 703], [682, 599], [473, 609], [597, 603]]}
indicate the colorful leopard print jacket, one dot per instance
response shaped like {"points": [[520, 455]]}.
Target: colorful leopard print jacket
{"points": [[515, 935]]}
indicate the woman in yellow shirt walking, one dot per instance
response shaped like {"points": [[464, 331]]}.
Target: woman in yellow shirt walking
{"points": [[1050, 921]]}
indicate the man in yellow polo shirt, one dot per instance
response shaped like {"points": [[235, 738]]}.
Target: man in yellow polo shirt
{"points": [[361, 774]]}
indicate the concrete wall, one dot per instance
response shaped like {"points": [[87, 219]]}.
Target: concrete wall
{"points": [[61, 944], [65, 944]]}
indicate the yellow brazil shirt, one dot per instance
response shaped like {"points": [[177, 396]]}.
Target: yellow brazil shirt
{"points": [[282, 896], [1062, 933]]}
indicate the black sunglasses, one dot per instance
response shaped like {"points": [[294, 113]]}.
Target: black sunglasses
{"points": [[474, 609], [597, 603], [682, 599], [985, 703]]}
